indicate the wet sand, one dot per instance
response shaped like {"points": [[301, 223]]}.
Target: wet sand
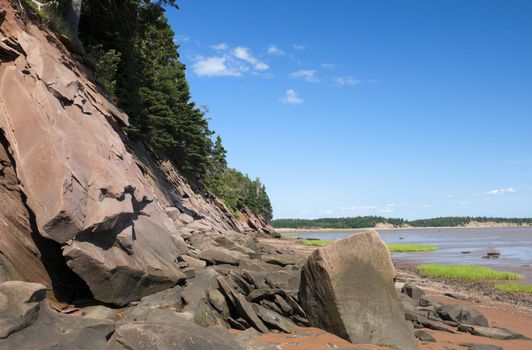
{"points": [[501, 309]]}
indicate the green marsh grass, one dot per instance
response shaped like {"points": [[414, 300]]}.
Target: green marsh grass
{"points": [[466, 272], [514, 288], [407, 248], [315, 242]]}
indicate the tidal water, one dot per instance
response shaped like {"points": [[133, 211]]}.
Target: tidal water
{"points": [[514, 243]]}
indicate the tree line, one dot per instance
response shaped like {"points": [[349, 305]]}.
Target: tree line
{"points": [[372, 221]]}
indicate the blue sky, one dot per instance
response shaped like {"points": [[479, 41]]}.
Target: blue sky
{"points": [[343, 108]]}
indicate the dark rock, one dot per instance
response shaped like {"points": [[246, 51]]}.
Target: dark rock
{"points": [[271, 305], [495, 333], [207, 316], [463, 314], [259, 294], [256, 265], [216, 255], [426, 301], [245, 310], [101, 312], [475, 346], [20, 304], [256, 278], [283, 304], [412, 291], [217, 300], [347, 289], [286, 280], [283, 259], [193, 262], [424, 336], [26, 322], [455, 296], [164, 299], [180, 336], [273, 319], [435, 325], [189, 273], [242, 284]]}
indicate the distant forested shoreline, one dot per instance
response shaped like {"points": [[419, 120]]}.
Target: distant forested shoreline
{"points": [[375, 221]]}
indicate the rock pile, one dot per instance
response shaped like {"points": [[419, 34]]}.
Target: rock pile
{"points": [[425, 312]]}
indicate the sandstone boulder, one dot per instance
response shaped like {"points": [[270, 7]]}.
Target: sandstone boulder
{"points": [[178, 336], [347, 289]]}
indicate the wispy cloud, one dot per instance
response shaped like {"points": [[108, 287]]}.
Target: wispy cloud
{"points": [[291, 97], [449, 196], [179, 38], [497, 192], [215, 66], [464, 203], [220, 47], [299, 47], [275, 51], [426, 205], [305, 74], [346, 81], [242, 53], [330, 65]]}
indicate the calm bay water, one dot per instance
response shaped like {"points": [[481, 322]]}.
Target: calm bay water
{"points": [[514, 243]]}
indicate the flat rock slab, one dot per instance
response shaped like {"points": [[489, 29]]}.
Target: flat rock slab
{"points": [[347, 288], [494, 332], [180, 336], [462, 314]]}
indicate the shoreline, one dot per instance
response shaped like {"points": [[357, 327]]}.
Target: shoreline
{"points": [[319, 230]]}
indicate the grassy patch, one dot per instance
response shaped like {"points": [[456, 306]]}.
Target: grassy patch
{"points": [[290, 235], [315, 242], [466, 272], [514, 288], [406, 247]]}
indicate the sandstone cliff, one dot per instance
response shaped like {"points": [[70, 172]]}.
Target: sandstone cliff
{"points": [[83, 208]]}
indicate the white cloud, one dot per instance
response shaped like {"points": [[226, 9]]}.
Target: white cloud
{"points": [[220, 47], [274, 50], [464, 203], [346, 81], [426, 206], [501, 191], [291, 97], [497, 192], [181, 38], [242, 53], [305, 74], [299, 47], [215, 66], [449, 196]]}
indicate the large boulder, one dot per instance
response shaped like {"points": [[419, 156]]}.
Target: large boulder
{"points": [[178, 336], [463, 314], [347, 289], [26, 322]]}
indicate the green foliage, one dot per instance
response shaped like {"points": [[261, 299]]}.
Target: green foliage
{"points": [[410, 247], [106, 63], [147, 79], [372, 221], [137, 62], [340, 223], [514, 288], [467, 272]]}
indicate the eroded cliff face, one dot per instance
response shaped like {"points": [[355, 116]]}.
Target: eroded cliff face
{"points": [[71, 188]]}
